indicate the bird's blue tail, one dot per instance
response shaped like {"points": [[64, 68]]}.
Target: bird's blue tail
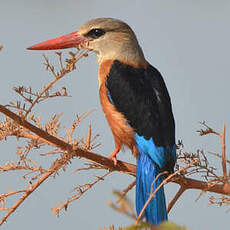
{"points": [[147, 172]]}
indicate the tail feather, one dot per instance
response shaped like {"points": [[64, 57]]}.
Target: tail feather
{"points": [[147, 172]]}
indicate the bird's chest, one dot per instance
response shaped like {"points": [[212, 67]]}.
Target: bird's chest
{"points": [[112, 114], [117, 121], [122, 132]]}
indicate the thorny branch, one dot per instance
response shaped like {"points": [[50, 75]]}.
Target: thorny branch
{"points": [[187, 183], [80, 190], [34, 98], [125, 191], [68, 147], [207, 172]]}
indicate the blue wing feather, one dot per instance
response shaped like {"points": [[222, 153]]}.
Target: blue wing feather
{"points": [[150, 160], [158, 154], [147, 172]]}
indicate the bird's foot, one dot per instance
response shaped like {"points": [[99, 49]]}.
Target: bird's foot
{"points": [[113, 155]]}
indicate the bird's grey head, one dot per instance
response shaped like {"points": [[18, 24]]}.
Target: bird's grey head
{"points": [[109, 38]]}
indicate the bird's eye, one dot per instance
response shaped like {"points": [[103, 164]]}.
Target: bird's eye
{"points": [[95, 33]]}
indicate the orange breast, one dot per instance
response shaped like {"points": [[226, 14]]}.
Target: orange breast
{"points": [[122, 133]]}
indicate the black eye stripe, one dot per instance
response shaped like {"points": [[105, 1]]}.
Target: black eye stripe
{"points": [[95, 33]]}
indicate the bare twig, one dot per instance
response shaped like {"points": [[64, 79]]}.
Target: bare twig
{"points": [[52, 170], [4, 195], [25, 195], [125, 191], [219, 156], [70, 65], [224, 156], [206, 131], [88, 142], [80, 191], [176, 197]]}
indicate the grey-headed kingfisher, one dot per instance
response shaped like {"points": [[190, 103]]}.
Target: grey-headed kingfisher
{"points": [[135, 102]]}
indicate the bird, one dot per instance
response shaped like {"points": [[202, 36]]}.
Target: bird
{"points": [[136, 104]]}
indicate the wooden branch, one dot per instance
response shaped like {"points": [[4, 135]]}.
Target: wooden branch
{"points": [[64, 205], [125, 191], [108, 163], [55, 166], [78, 152], [25, 195], [64, 70], [176, 197]]}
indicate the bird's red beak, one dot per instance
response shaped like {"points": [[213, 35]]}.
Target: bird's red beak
{"points": [[66, 41]]}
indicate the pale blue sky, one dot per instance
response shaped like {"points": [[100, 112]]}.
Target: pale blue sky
{"points": [[188, 41]]}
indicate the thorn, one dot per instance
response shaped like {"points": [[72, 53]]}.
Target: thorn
{"points": [[88, 143]]}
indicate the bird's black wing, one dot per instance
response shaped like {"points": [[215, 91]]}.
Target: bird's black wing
{"points": [[142, 97]]}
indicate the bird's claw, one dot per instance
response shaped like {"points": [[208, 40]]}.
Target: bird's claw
{"points": [[113, 156]]}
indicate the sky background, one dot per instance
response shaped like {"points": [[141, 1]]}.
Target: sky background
{"points": [[188, 41]]}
